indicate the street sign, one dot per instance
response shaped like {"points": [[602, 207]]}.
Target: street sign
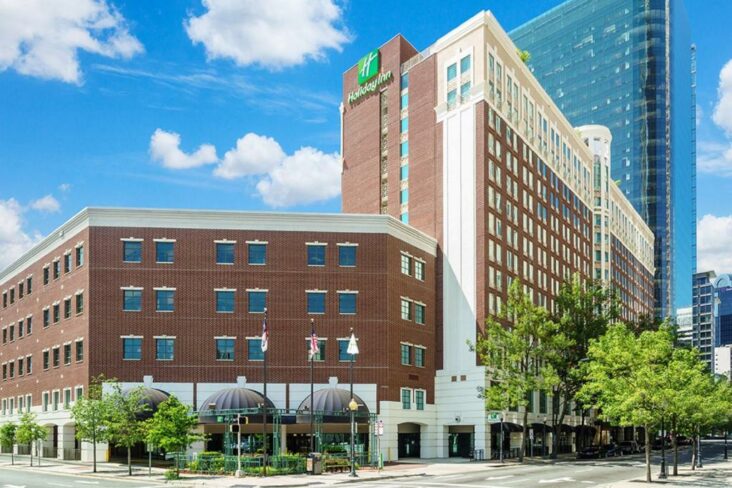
{"points": [[379, 427], [493, 417], [531, 434]]}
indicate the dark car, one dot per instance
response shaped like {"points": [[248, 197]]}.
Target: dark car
{"points": [[629, 447], [590, 452], [609, 450]]}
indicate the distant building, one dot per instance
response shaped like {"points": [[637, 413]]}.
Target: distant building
{"points": [[685, 327], [703, 315], [723, 361], [723, 310]]}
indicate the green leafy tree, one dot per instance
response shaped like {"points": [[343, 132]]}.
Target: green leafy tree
{"points": [[171, 427], [31, 432], [7, 438], [90, 416], [514, 353], [524, 55], [124, 419], [583, 312], [626, 377]]}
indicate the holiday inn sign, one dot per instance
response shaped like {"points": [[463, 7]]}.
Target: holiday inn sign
{"points": [[369, 77]]}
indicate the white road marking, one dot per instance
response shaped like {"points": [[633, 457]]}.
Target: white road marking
{"points": [[88, 482], [492, 478], [51, 483], [557, 480], [583, 470], [588, 482], [13, 486]]}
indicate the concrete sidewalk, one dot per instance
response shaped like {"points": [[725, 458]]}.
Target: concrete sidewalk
{"points": [[712, 475]]}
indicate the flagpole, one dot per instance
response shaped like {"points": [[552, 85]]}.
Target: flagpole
{"points": [[264, 402], [352, 410], [312, 367]]}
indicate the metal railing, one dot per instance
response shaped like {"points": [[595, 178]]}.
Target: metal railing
{"points": [[71, 454], [50, 452], [24, 449]]}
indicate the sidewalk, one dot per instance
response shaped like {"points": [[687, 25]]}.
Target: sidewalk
{"points": [[717, 474]]}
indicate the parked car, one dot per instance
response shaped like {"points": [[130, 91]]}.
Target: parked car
{"points": [[589, 452], [609, 450], [629, 447]]}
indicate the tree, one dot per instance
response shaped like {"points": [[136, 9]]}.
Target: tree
{"points": [[514, 355], [584, 311], [626, 378], [524, 55], [171, 427], [90, 414], [7, 438], [31, 432], [124, 419]]}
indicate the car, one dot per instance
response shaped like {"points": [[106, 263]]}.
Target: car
{"points": [[589, 452], [609, 450], [629, 447]]}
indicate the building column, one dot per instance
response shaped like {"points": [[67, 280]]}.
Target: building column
{"points": [[66, 441], [283, 439]]}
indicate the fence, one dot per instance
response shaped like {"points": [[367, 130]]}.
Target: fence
{"points": [[217, 463], [24, 449], [71, 454], [50, 452]]}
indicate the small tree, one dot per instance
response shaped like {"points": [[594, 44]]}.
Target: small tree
{"points": [[524, 55], [31, 432], [124, 420], [515, 355], [171, 427], [90, 414], [7, 438]]}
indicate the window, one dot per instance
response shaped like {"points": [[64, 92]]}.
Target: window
{"points": [[347, 255], [404, 100], [67, 308], [29, 365], [403, 172], [29, 285], [79, 256], [12, 296], [12, 369], [79, 303], [29, 325], [45, 275], [451, 72], [79, 351], [5, 335], [419, 269], [347, 303], [56, 357], [419, 399], [165, 300], [164, 251], [419, 356], [257, 301], [404, 217], [406, 354], [225, 349], [56, 399], [132, 300], [464, 90], [254, 349], [56, 312], [451, 97], [257, 253], [67, 398], [316, 254], [21, 290], [132, 348], [343, 350], [132, 251], [224, 253], [46, 360], [164, 349], [5, 371], [404, 196], [404, 149], [67, 263], [464, 64], [542, 401], [5, 299], [404, 81], [406, 399], [406, 264], [406, 309], [419, 309], [67, 354], [45, 401], [56, 269], [316, 301], [404, 125], [21, 330], [79, 393], [225, 301], [11, 331], [321, 346]]}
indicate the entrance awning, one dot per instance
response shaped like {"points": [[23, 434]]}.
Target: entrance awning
{"points": [[507, 427], [332, 404], [152, 397], [232, 399]]}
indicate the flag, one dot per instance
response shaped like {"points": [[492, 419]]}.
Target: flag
{"points": [[352, 345], [314, 348], [265, 334]]}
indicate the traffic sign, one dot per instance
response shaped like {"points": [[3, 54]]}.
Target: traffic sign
{"points": [[493, 417], [379, 427]]}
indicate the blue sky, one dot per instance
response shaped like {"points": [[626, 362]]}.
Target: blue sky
{"points": [[91, 106]]}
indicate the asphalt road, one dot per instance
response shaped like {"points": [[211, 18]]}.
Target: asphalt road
{"points": [[22, 478], [564, 474]]}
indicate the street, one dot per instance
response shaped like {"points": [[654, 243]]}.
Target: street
{"points": [[564, 474], [19, 477]]}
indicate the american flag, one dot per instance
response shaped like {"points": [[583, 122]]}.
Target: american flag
{"points": [[265, 333], [314, 349]]}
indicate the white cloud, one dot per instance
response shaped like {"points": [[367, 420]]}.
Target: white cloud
{"points": [[165, 149], [714, 158], [723, 110], [306, 176], [273, 34], [46, 204], [714, 242], [14, 241], [43, 38], [64, 187], [253, 154]]}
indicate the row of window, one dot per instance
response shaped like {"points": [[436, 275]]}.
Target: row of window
{"points": [[412, 266], [226, 252], [51, 401], [412, 396], [226, 349], [25, 367], [412, 310], [413, 355], [51, 358], [225, 300], [53, 313]]}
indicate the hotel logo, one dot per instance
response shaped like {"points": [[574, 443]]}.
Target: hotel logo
{"points": [[368, 66]]}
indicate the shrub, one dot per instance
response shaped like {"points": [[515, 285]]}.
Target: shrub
{"points": [[172, 474]]}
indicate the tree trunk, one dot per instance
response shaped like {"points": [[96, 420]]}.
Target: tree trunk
{"points": [[557, 430], [675, 442], [648, 453], [523, 436], [693, 452], [39, 451], [129, 461], [94, 451]]}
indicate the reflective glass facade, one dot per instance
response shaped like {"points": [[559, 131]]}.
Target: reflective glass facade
{"points": [[723, 310], [627, 65]]}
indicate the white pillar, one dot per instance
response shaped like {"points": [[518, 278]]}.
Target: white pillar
{"points": [[65, 441]]}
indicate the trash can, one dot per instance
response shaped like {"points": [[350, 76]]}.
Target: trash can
{"points": [[314, 463]]}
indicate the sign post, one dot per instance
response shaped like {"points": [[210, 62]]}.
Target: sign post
{"points": [[497, 417], [149, 459], [379, 431]]}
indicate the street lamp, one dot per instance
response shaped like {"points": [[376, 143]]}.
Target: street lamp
{"points": [[544, 450], [725, 444], [353, 406], [662, 474]]}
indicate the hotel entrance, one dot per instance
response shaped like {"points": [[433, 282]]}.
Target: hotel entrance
{"points": [[460, 440], [408, 438]]}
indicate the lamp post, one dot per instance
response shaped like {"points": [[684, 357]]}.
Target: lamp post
{"points": [[725, 445], [500, 440], [662, 474], [543, 440], [700, 465], [353, 406]]}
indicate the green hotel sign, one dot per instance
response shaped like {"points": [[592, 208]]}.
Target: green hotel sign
{"points": [[369, 77]]}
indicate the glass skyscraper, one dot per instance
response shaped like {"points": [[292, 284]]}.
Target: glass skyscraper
{"points": [[628, 65]]}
